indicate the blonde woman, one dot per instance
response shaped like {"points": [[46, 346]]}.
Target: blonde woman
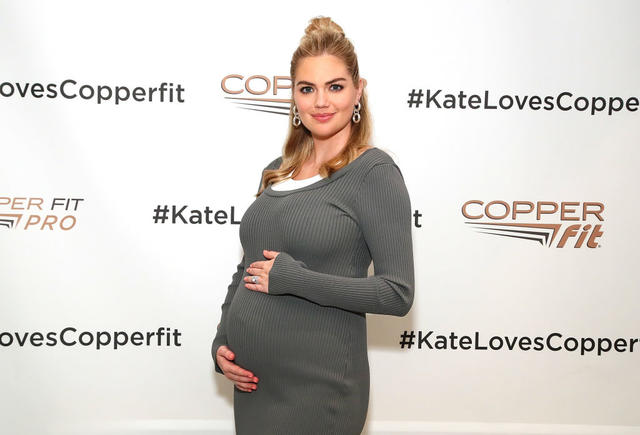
{"points": [[292, 336]]}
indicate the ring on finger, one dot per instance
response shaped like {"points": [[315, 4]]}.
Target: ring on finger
{"points": [[254, 279]]}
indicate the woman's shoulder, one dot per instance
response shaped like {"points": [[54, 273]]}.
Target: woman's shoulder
{"points": [[377, 157], [274, 164], [380, 156]]}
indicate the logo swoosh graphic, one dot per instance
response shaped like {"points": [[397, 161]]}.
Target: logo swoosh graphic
{"points": [[262, 102], [541, 233], [9, 220]]}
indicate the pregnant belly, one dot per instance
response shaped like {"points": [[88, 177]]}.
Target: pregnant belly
{"points": [[284, 335]]}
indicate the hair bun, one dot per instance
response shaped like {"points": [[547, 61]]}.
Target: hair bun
{"points": [[323, 24]]}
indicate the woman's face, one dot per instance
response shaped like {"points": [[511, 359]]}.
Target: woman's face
{"points": [[325, 96]]}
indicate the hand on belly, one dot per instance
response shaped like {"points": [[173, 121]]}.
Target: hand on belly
{"points": [[258, 279], [243, 379]]}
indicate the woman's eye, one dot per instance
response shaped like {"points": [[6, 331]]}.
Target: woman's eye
{"points": [[333, 87]]}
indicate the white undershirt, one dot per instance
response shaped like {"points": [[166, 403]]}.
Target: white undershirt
{"points": [[290, 183]]}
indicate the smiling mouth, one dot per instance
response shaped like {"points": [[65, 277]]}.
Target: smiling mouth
{"points": [[323, 117]]}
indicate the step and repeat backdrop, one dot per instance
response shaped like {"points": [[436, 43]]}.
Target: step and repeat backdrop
{"points": [[132, 138]]}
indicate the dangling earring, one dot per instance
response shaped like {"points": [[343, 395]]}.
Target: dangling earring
{"points": [[296, 117], [356, 113]]}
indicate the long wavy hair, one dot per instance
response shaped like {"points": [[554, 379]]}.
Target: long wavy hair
{"points": [[322, 36]]}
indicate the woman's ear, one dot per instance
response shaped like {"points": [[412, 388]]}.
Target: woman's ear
{"points": [[361, 85]]}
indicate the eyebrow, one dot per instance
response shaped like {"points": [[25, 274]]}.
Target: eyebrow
{"points": [[302, 82]]}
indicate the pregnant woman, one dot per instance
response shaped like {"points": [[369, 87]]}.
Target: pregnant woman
{"points": [[292, 336]]}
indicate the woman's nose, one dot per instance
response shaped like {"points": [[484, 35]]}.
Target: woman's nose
{"points": [[321, 98]]}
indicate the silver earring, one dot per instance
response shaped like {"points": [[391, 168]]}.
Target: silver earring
{"points": [[356, 113], [296, 117]]}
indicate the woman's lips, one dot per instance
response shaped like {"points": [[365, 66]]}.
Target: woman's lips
{"points": [[323, 118]]}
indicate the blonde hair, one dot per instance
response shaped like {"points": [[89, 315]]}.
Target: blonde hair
{"points": [[322, 36]]}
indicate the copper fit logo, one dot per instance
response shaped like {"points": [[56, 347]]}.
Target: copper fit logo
{"points": [[258, 92], [549, 223], [37, 214]]}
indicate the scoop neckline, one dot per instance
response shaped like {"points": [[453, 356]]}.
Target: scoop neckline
{"points": [[291, 184], [323, 181]]}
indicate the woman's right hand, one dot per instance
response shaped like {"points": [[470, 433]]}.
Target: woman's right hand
{"points": [[244, 379]]}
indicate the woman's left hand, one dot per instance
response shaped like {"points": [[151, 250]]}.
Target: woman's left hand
{"points": [[260, 269]]}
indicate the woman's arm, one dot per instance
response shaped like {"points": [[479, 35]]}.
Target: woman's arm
{"points": [[221, 335], [383, 211]]}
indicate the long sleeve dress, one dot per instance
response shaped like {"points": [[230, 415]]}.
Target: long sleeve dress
{"points": [[306, 340]]}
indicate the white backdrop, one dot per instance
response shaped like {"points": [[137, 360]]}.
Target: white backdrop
{"points": [[114, 269]]}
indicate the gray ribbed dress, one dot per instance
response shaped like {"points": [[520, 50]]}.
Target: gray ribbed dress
{"points": [[306, 340]]}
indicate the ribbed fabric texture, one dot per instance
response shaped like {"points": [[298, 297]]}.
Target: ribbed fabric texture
{"points": [[306, 340]]}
